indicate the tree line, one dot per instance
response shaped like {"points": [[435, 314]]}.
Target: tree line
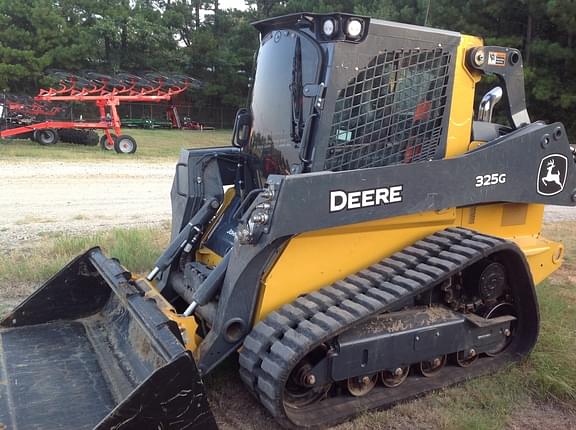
{"points": [[203, 40]]}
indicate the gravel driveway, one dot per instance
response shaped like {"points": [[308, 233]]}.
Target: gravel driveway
{"points": [[46, 196], [38, 197]]}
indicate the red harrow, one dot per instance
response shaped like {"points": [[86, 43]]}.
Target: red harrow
{"points": [[107, 93]]}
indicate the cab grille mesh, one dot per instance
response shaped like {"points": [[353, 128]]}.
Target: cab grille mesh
{"points": [[392, 112]]}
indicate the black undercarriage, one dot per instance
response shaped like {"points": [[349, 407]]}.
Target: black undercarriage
{"points": [[440, 311]]}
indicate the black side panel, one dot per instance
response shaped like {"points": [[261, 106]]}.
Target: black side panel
{"points": [[434, 185], [200, 173]]}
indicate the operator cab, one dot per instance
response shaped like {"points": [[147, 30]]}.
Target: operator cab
{"points": [[343, 92]]}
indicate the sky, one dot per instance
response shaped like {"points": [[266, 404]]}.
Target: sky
{"points": [[227, 4], [233, 4]]}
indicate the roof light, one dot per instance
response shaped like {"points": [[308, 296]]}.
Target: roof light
{"points": [[354, 28], [328, 27]]}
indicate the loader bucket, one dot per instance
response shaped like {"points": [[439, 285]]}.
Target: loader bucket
{"points": [[89, 351]]}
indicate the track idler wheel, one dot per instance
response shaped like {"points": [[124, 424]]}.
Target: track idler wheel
{"points": [[432, 367], [300, 390], [361, 385], [394, 378], [499, 310]]}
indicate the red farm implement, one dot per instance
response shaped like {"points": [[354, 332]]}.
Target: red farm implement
{"points": [[106, 93], [184, 123]]}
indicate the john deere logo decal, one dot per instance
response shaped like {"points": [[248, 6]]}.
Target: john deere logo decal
{"points": [[342, 200], [552, 174]]}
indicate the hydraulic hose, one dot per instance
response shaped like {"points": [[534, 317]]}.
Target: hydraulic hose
{"points": [[187, 237]]}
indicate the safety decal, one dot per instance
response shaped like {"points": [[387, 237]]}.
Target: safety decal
{"points": [[497, 59], [552, 174]]}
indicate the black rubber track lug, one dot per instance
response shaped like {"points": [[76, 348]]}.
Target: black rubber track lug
{"points": [[286, 337]]}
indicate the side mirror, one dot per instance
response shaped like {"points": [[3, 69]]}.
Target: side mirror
{"points": [[242, 126]]}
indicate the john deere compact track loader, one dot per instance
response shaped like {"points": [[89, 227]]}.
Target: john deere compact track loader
{"points": [[363, 241]]}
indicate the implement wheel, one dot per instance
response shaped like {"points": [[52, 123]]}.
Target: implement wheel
{"points": [[46, 136], [105, 145], [125, 144]]}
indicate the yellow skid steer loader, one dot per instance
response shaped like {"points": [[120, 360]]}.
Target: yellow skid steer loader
{"points": [[366, 238]]}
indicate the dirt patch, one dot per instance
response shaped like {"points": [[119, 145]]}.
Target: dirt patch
{"points": [[559, 213], [15, 291], [40, 198], [538, 416], [421, 414], [233, 406], [12, 294]]}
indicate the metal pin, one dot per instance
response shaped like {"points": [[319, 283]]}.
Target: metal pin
{"points": [[152, 274], [190, 309]]}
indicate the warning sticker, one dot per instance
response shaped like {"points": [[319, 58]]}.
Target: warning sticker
{"points": [[497, 59]]}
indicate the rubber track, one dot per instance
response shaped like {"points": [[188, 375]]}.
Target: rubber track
{"points": [[279, 342]]}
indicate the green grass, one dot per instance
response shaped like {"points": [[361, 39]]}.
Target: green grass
{"points": [[152, 144], [488, 403], [136, 249], [5, 308], [551, 366]]}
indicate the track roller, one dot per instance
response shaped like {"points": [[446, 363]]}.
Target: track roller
{"points": [[465, 358], [394, 378], [361, 385], [431, 367]]}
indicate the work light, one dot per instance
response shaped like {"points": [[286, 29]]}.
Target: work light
{"points": [[328, 27], [354, 28]]}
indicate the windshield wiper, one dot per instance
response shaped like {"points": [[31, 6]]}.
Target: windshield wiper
{"points": [[297, 94]]}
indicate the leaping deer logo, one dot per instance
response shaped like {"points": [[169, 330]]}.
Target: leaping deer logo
{"points": [[550, 176]]}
